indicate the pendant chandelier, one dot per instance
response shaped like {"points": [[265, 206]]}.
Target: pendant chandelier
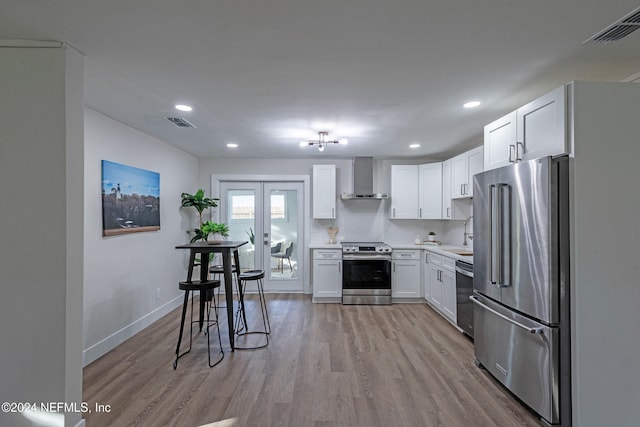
{"points": [[322, 141]]}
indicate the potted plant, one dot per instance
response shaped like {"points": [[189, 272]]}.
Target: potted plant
{"points": [[214, 232], [252, 236], [432, 236], [199, 202]]}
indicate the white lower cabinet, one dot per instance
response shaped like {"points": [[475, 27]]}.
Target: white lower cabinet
{"points": [[405, 274], [441, 281], [327, 275]]}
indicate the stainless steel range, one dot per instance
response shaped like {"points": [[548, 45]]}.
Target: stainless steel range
{"points": [[366, 273]]}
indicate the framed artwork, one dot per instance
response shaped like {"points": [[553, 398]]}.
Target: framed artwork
{"points": [[130, 199]]}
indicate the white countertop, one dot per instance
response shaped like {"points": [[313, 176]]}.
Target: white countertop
{"points": [[325, 246], [444, 249]]}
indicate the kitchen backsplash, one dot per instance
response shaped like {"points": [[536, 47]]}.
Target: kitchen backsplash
{"points": [[369, 221]]}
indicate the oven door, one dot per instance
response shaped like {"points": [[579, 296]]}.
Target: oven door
{"points": [[370, 276]]}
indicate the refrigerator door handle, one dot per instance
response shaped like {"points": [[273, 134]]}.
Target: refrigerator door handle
{"points": [[504, 221], [498, 233], [475, 300], [494, 235]]}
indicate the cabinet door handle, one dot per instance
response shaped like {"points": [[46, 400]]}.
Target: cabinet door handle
{"points": [[339, 267], [420, 213], [333, 212], [448, 212], [394, 267], [512, 149], [518, 156], [394, 213], [461, 189]]}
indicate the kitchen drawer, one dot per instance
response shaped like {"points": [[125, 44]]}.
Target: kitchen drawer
{"points": [[434, 258], [405, 254], [449, 263], [327, 254]]}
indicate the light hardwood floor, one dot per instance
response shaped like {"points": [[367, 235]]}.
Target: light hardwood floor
{"points": [[326, 365]]}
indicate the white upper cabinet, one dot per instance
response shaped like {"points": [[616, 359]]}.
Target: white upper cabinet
{"points": [[499, 142], [463, 168], [324, 191], [446, 190], [535, 130], [430, 191], [416, 191], [404, 191], [542, 127]]}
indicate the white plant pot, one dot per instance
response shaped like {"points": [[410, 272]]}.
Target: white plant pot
{"points": [[215, 238]]}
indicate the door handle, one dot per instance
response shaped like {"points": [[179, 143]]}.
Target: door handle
{"points": [[475, 300], [512, 149], [420, 214], [448, 212]]}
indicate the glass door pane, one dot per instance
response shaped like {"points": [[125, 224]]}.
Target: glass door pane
{"points": [[283, 219], [241, 202]]}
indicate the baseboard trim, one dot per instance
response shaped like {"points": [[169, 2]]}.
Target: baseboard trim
{"points": [[102, 347]]}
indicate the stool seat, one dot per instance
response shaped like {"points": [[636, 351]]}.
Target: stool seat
{"points": [[252, 275], [199, 285], [218, 269]]}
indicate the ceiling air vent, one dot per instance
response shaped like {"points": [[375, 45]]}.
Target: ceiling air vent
{"points": [[180, 122], [618, 30]]}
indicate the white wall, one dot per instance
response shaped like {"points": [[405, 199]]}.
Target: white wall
{"points": [[606, 285], [41, 214], [123, 273]]}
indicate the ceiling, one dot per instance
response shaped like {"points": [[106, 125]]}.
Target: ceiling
{"points": [[383, 74]]}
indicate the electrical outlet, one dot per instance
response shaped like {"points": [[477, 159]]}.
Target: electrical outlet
{"points": [[157, 294]]}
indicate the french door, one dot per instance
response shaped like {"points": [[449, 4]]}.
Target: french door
{"points": [[270, 215]]}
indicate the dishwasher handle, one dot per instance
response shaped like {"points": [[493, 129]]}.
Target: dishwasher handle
{"points": [[502, 316], [464, 272]]}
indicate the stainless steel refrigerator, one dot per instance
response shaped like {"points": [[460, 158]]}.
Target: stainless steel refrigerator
{"points": [[521, 282]]}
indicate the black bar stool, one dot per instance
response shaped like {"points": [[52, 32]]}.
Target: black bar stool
{"points": [[206, 289], [241, 327]]}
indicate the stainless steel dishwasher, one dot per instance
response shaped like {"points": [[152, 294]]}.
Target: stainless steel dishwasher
{"points": [[464, 289]]}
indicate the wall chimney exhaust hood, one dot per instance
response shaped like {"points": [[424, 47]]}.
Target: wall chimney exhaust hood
{"points": [[363, 181]]}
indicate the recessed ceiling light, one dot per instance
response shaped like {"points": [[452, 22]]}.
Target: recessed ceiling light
{"points": [[471, 104], [183, 107], [414, 146], [231, 145]]}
